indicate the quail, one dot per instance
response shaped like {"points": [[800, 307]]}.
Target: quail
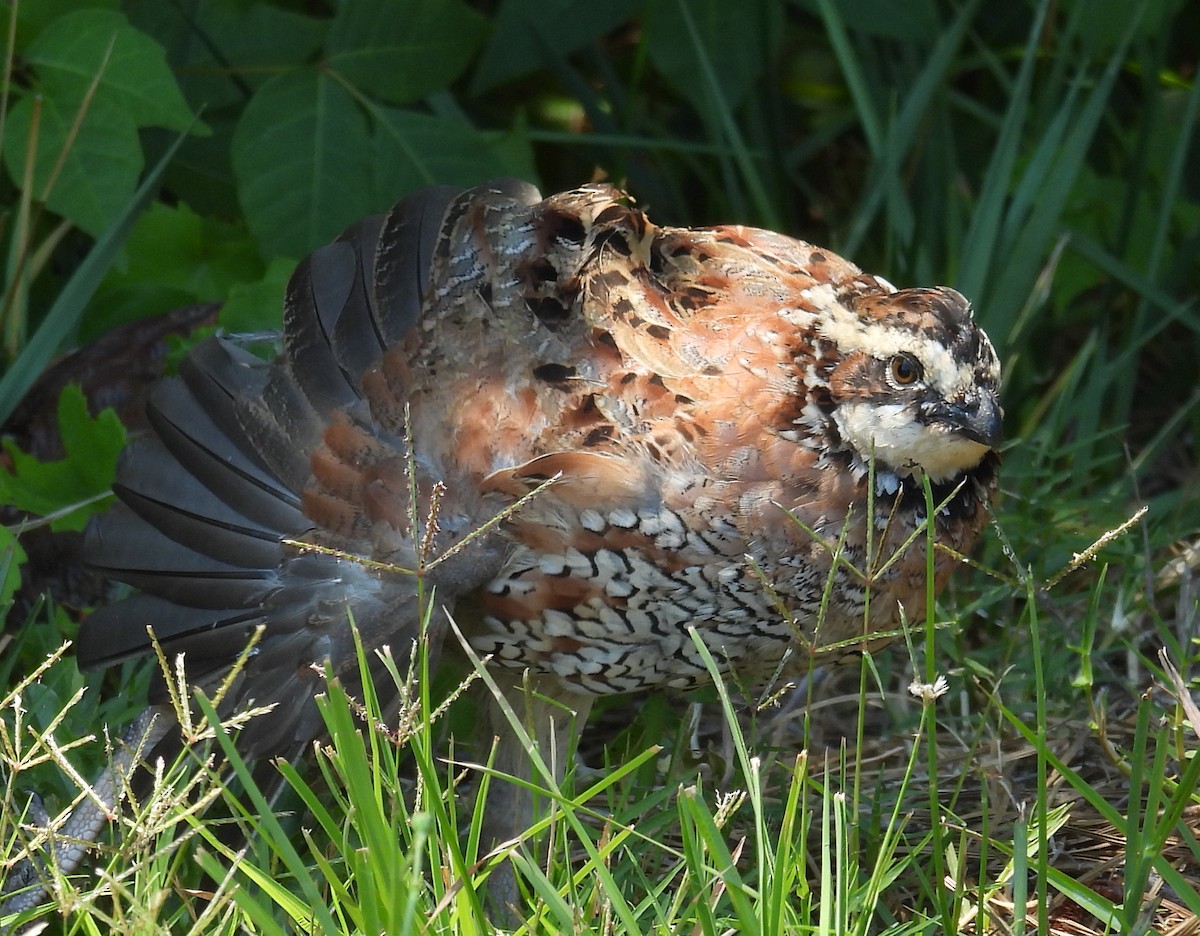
{"points": [[593, 435]]}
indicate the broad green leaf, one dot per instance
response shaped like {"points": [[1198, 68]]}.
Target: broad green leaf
{"points": [[258, 306], [202, 257], [736, 43], [245, 45], [525, 28], [87, 471], [415, 149], [34, 18], [174, 258], [202, 174], [67, 307], [91, 61], [134, 76], [101, 167], [302, 160], [401, 50]]}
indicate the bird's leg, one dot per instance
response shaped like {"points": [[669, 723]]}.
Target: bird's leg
{"points": [[26, 884], [523, 711]]}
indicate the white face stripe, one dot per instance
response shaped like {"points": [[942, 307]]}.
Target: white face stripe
{"points": [[952, 379], [891, 429]]}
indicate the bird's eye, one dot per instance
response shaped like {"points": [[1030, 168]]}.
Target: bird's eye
{"points": [[905, 370]]}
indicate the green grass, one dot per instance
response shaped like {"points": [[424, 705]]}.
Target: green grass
{"points": [[784, 835], [1039, 157]]}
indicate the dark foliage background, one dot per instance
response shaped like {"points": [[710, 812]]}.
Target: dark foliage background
{"points": [[1039, 155]]}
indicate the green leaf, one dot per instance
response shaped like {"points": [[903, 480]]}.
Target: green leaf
{"points": [[524, 28], [34, 18], [401, 50], [101, 166], [258, 306], [202, 256], [85, 474], [134, 76], [90, 61], [416, 149], [67, 308], [310, 160], [12, 557], [175, 257], [301, 157], [202, 173], [245, 45]]}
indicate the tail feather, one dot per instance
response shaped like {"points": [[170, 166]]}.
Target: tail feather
{"points": [[192, 439], [187, 511], [126, 548], [118, 632]]}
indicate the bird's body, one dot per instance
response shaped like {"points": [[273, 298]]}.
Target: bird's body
{"points": [[590, 435], [704, 403]]}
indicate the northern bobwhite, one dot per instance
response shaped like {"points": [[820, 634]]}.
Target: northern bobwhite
{"points": [[709, 406]]}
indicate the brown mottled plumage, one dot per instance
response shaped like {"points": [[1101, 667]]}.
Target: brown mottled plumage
{"points": [[705, 403]]}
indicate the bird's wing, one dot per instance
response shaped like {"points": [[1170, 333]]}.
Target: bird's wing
{"points": [[250, 459]]}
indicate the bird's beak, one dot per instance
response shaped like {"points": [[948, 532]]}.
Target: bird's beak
{"points": [[978, 418]]}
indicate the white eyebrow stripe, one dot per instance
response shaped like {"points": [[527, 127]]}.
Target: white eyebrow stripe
{"points": [[947, 375]]}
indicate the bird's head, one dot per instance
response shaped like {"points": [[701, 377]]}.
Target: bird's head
{"points": [[912, 380]]}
